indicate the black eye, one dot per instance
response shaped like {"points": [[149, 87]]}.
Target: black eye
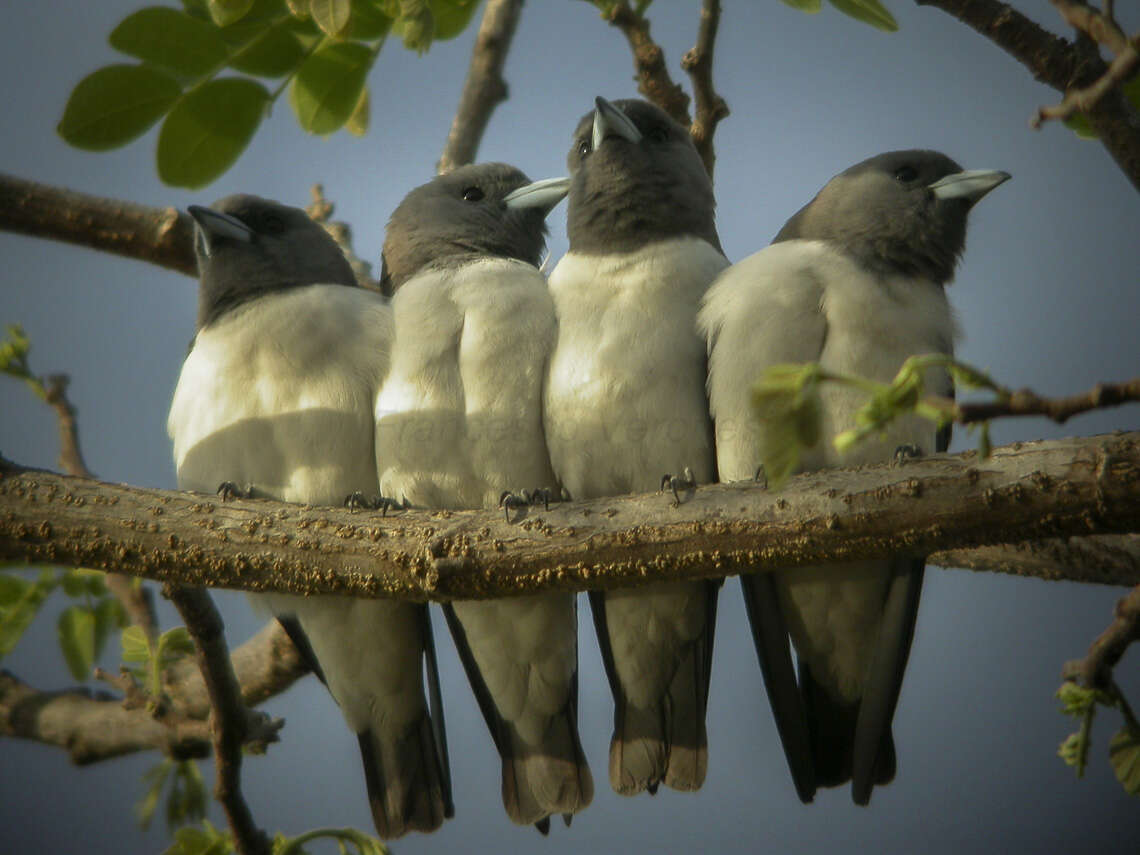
{"points": [[472, 194], [906, 174], [658, 134], [272, 224], [584, 148]]}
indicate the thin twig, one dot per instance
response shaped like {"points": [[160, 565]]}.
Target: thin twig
{"points": [[1102, 28], [136, 599], [1095, 670], [163, 236], [653, 80], [1059, 63], [1083, 100], [485, 87], [320, 209], [229, 721], [1025, 402], [95, 726], [710, 107]]}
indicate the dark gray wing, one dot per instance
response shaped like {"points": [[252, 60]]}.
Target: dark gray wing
{"points": [[435, 706]]}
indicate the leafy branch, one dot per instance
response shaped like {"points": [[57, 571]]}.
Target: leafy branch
{"points": [[322, 51], [786, 400]]}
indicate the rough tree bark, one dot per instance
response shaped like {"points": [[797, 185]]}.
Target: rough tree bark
{"points": [[1036, 490]]}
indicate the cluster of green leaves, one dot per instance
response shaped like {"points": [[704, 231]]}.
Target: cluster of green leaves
{"points": [[1123, 748], [208, 840], [320, 50], [1079, 123], [787, 400], [82, 628], [868, 11], [186, 796]]}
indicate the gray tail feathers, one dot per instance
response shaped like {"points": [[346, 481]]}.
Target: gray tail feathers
{"points": [[546, 779], [665, 743], [873, 761], [406, 790], [836, 736], [770, 637]]}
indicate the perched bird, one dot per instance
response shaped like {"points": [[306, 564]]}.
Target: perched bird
{"points": [[855, 281], [459, 423], [625, 404], [277, 393]]}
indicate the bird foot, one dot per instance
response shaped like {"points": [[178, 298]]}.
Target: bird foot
{"points": [[760, 476], [510, 500], [357, 501], [906, 452], [685, 481], [229, 490]]}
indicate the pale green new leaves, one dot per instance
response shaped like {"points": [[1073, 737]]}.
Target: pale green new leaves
{"points": [[868, 11], [185, 801], [1123, 748], [328, 85], [786, 401]]}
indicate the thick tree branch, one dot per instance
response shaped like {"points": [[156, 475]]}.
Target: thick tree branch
{"points": [[1059, 63], [162, 236], [96, 726], [1106, 558], [485, 87], [710, 107], [653, 80], [1058, 488], [229, 720]]}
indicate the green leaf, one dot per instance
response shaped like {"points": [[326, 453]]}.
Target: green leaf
{"points": [[327, 86], [357, 123], [76, 629], [186, 801], [267, 52], [1124, 755], [109, 614], [1079, 124], [809, 6], [23, 600], [368, 22], [869, 12], [416, 24], [173, 645], [155, 779], [298, 8], [73, 583], [204, 840], [12, 589], [331, 15], [171, 39], [226, 12], [136, 646], [112, 106], [208, 129], [451, 17]]}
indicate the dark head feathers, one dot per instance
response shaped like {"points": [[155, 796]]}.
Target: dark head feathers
{"points": [[248, 247], [636, 178], [899, 212], [464, 215]]}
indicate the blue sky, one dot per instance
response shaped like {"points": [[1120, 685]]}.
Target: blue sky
{"points": [[1046, 297]]}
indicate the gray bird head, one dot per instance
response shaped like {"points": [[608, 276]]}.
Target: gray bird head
{"points": [[248, 246], [899, 212], [475, 211], [636, 178]]}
